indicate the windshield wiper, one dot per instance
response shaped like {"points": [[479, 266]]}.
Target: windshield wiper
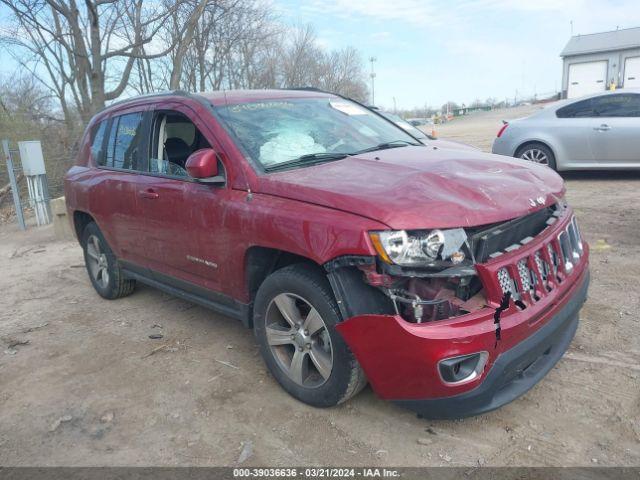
{"points": [[321, 157], [308, 159], [387, 145]]}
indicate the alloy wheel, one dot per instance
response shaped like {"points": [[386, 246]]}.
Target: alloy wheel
{"points": [[535, 155], [299, 340], [97, 261]]}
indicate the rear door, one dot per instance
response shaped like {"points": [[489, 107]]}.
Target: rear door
{"points": [[615, 132], [161, 196], [586, 78], [632, 72], [120, 157]]}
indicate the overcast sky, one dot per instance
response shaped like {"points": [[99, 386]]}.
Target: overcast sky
{"points": [[431, 51]]}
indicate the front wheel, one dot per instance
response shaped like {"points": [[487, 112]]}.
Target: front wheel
{"points": [[295, 315], [537, 153]]}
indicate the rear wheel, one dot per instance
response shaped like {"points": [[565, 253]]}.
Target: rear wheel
{"points": [[295, 316], [537, 153], [102, 266]]}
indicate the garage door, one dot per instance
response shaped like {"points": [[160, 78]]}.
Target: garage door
{"points": [[632, 72], [586, 78]]}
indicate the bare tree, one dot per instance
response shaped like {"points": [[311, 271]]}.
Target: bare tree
{"points": [[302, 58], [305, 64], [229, 41], [342, 71], [187, 31], [29, 111], [85, 53], [90, 52]]}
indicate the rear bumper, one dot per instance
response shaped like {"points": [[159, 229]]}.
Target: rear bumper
{"points": [[515, 371], [501, 147]]}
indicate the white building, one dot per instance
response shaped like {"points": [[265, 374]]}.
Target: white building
{"points": [[591, 63]]}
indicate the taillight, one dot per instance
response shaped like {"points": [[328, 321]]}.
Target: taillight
{"points": [[502, 129]]}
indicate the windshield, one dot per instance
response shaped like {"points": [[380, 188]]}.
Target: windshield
{"points": [[402, 123], [309, 130]]}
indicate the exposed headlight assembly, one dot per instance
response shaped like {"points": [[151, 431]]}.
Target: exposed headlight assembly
{"points": [[420, 248]]}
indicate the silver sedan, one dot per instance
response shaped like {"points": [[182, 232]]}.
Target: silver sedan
{"points": [[595, 132]]}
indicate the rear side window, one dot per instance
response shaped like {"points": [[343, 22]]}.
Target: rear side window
{"points": [[623, 105], [98, 142], [124, 149], [580, 109]]}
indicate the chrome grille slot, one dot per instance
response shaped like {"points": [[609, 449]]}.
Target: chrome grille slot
{"points": [[567, 252], [574, 242], [543, 266], [525, 275], [554, 258], [507, 284], [533, 275], [574, 233]]}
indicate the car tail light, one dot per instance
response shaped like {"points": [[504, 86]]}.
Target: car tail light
{"points": [[502, 129]]}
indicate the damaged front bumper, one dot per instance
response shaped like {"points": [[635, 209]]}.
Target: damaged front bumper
{"points": [[401, 358], [514, 371]]}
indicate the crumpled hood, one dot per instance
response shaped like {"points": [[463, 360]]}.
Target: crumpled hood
{"points": [[422, 187]]}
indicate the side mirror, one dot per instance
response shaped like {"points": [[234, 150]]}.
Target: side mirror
{"points": [[203, 165]]}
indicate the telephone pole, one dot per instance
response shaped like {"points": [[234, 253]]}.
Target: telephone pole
{"points": [[373, 76]]}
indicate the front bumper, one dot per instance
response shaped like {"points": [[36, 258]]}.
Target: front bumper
{"points": [[401, 358], [515, 371]]}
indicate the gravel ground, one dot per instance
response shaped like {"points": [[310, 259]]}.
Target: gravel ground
{"points": [[81, 383]]}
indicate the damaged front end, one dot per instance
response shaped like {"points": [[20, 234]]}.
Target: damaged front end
{"points": [[422, 276], [430, 275], [434, 311]]}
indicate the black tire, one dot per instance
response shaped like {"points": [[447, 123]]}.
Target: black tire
{"points": [[309, 284], [114, 284], [540, 147]]}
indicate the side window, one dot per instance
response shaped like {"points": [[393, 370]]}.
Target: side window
{"points": [[623, 105], [580, 109], [124, 149], [174, 138], [108, 158], [98, 142]]}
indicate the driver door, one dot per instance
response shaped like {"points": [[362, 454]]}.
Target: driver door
{"points": [[615, 132], [177, 211]]}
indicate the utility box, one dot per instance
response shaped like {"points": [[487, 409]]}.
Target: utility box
{"points": [[32, 158], [33, 168]]}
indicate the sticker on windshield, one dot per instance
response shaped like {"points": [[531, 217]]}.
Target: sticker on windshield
{"points": [[259, 106], [348, 108]]}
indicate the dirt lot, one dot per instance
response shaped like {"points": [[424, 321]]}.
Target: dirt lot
{"points": [[91, 388]]}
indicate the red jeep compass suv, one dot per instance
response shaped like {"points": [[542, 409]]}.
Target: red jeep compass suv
{"points": [[450, 280]]}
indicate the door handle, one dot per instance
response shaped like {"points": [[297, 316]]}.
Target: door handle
{"points": [[148, 193], [602, 128]]}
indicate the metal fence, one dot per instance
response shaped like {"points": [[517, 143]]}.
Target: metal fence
{"points": [[29, 194]]}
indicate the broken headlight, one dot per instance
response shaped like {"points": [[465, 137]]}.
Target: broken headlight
{"points": [[420, 248]]}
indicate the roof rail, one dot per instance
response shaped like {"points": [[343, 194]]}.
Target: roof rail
{"points": [[311, 89], [163, 93]]}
